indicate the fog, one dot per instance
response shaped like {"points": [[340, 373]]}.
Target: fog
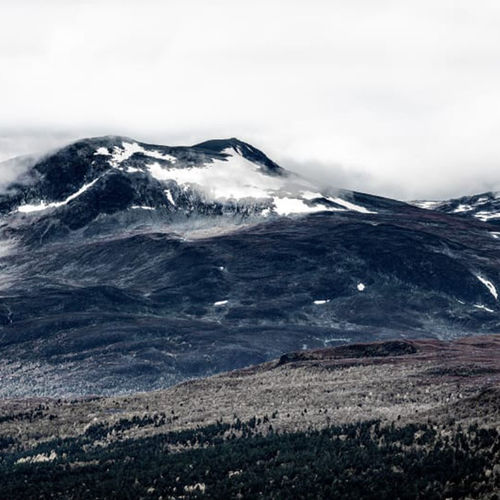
{"points": [[398, 98]]}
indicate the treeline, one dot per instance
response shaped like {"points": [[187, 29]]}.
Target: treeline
{"points": [[239, 460], [29, 415]]}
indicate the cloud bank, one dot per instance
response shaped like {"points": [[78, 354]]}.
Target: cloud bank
{"points": [[400, 98]]}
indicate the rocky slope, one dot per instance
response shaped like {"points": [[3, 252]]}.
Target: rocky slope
{"points": [[126, 266]]}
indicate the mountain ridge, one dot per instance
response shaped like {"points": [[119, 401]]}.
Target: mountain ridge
{"points": [[483, 206]]}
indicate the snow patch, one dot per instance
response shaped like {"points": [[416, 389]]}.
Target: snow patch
{"points": [[234, 177], [220, 303], [311, 195], [170, 198], [143, 207], [321, 302], [102, 151], [360, 287], [485, 216], [43, 205], [287, 206], [462, 208], [122, 154], [489, 285], [128, 149], [484, 308], [351, 206]]}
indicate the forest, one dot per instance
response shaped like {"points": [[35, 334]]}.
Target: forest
{"points": [[366, 460]]}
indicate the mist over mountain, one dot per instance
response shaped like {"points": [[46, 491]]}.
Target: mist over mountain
{"points": [[128, 266]]}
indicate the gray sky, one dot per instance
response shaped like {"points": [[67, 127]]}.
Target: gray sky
{"points": [[400, 98]]}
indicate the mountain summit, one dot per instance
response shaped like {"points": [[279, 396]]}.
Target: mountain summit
{"points": [[88, 184]]}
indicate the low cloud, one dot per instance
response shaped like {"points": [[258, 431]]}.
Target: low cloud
{"points": [[19, 151], [401, 98]]}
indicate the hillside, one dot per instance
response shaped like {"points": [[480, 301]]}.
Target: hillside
{"points": [[415, 416], [128, 266]]}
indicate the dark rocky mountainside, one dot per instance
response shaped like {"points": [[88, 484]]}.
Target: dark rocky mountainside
{"points": [[127, 266]]}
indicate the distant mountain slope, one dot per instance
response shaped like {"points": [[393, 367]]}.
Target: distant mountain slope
{"points": [[126, 266], [484, 206]]}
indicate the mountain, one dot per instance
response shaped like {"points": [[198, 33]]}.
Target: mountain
{"points": [[484, 206], [91, 187], [127, 266]]}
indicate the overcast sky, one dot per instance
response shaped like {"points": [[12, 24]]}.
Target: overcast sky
{"points": [[400, 98]]}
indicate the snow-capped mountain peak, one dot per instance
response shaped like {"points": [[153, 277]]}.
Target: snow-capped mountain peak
{"points": [[94, 178]]}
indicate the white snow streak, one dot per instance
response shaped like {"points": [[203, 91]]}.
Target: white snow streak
{"points": [[489, 285], [321, 302], [310, 195], [170, 197], [484, 308], [351, 206], [43, 205], [220, 303]]}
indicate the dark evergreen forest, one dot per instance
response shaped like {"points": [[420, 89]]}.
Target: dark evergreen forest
{"points": [[366, 460]]}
